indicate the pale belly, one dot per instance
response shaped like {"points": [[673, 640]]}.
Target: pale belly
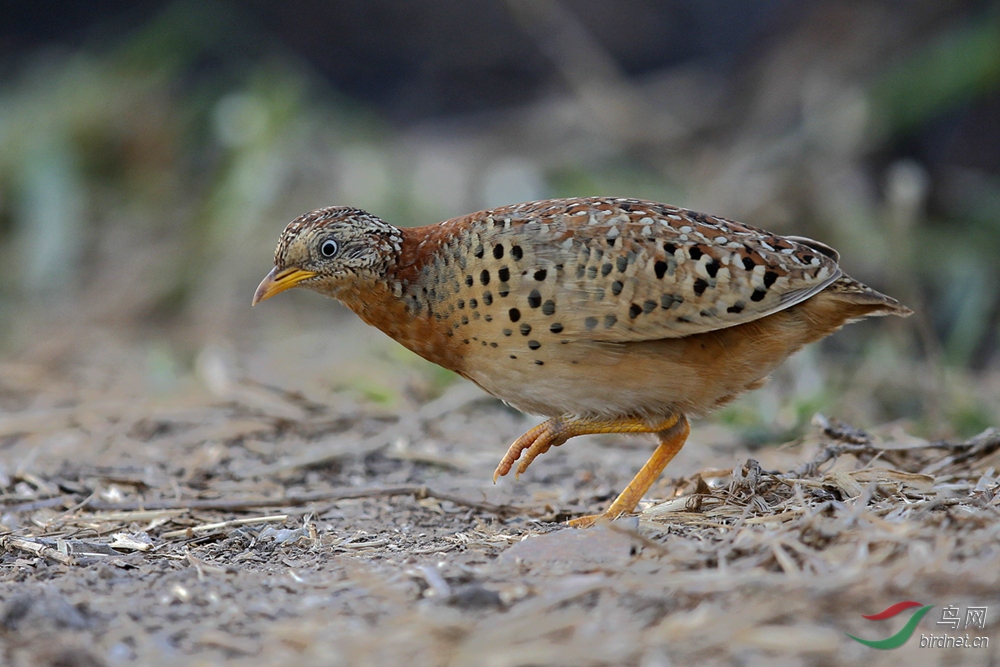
{"points": [[597, 380]]}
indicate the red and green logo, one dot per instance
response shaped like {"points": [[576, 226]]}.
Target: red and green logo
{"points": [[904, 634]]}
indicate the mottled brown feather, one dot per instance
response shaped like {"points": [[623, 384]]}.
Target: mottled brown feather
{"points": [[607, 315], [597, 307]]}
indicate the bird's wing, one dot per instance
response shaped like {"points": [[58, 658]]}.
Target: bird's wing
{"points": [[629, 270]]}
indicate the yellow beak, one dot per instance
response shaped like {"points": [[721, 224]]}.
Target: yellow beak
{"points": [[278, 281]]}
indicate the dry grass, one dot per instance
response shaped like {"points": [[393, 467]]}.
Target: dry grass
{"points": [[252, 525]]}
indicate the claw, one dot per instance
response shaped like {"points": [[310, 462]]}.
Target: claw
{"points": [[513, 454], [592, 519], [550, 437], [584, 521], [538, 440]]}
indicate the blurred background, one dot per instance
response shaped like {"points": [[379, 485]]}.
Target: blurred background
{"points": [[151, 152]]}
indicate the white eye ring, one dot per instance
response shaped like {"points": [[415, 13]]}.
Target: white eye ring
{"points": [[329, 248]]}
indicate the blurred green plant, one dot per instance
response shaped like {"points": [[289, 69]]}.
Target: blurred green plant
{"points": [[143, 183], [954, 253], [960, 62]]}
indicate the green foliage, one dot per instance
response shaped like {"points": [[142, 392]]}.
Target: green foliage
{"points": [[957, 64], [146, 180]]}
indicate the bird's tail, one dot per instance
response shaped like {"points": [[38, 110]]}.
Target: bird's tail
{"points": [[869, 302]]}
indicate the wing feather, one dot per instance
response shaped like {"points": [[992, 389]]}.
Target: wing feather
{"points": [[625, 270]]}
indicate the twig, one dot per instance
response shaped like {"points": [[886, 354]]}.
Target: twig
{"points": [[9, 543], [223, 505], [829, 453], [841, 431], [363, 545], [980, 445], [191, 531], [849, 440], [33, 505], [136, 515]]}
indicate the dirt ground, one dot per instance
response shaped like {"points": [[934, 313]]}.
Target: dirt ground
{"points": [[154, 517]]}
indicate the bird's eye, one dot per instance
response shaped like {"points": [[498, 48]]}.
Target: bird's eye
{"points": [[329, 248]]}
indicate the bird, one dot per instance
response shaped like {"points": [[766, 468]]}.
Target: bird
{"points": [[602, 314]]}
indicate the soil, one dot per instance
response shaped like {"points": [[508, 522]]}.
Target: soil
{"points": [[252, 516]]}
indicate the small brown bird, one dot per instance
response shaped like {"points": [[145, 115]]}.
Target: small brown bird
{"points": [[605, 315]]}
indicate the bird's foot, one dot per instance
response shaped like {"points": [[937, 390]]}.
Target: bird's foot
{"points": [[554, 432], [673, 433], [550, 433], [593, 519]]}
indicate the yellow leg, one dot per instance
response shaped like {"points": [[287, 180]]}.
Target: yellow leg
{"points": [[672, 439], [556, 431], [673, 432]]}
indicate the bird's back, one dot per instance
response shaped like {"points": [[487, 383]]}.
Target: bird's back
{"points": [[539, 302]]}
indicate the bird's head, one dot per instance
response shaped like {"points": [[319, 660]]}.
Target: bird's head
{"points": [[330, 249]]}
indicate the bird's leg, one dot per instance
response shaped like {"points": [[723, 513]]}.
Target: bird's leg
{"points": [[556, 431], [672, 438]]}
